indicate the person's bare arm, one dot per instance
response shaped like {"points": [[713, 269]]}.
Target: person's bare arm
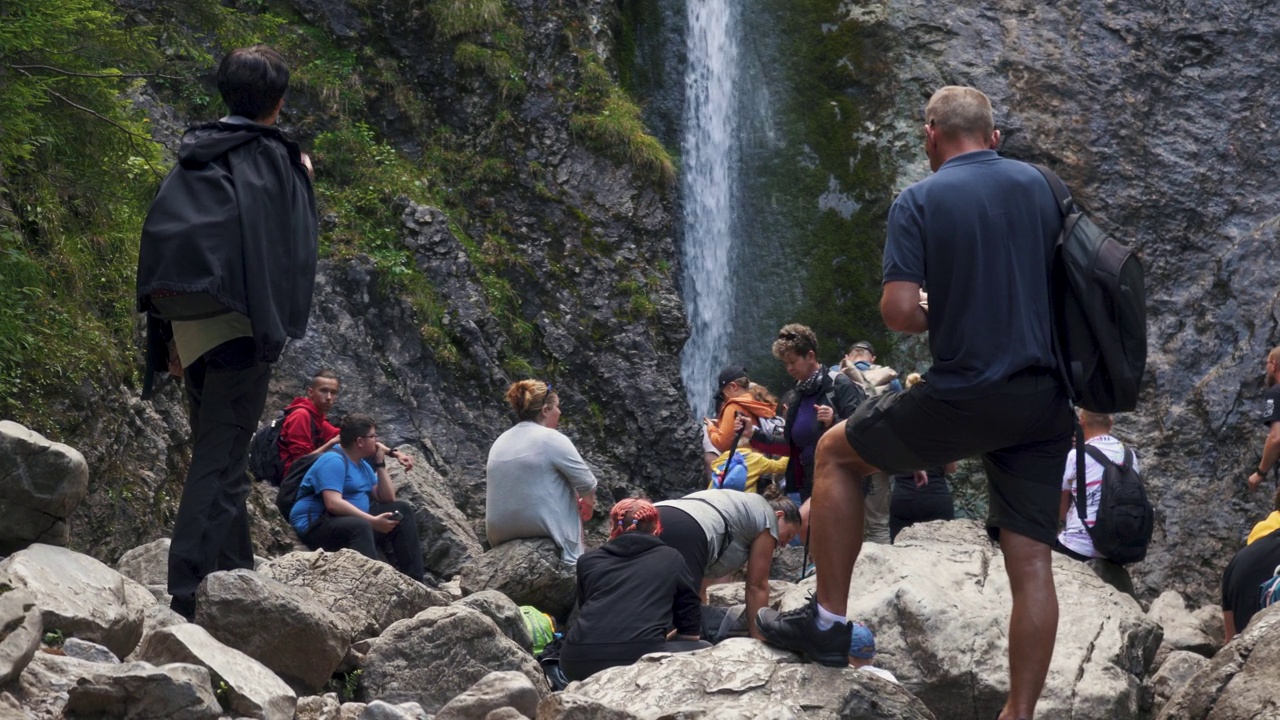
{"points": [[1228, 626], [900, 307], [758, 565], [338, 505], [1270, 453], [1064, 506]]}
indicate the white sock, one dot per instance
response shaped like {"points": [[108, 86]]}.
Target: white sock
{"points": [[828, 619]]}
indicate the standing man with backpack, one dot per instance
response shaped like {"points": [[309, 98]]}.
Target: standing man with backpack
{"points": [[859, 365], [226, 269], [979, 234]]}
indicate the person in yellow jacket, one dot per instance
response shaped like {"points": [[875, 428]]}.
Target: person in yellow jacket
{"points": [[758, 465], [1269, 525]]}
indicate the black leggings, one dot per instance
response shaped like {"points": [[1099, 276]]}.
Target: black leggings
{"points": [[582, 661], [335, 532], [681, 532], [907, 509]]}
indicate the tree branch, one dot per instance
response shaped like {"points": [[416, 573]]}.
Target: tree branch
{"points": [[106, 76]]}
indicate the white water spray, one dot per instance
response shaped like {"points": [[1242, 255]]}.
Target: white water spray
{"points": [[708, 177]]}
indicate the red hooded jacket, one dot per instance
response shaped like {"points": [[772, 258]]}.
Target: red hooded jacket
{"points": [[303, 431]]}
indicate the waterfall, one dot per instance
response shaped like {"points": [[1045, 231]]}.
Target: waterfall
{"points": [[708, 179]]}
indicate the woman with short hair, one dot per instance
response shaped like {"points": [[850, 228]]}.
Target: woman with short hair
{"points": [[536, 483]]}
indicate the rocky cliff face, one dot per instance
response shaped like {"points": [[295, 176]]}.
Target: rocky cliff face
{"points": [[553, 258], [1158, 115]]}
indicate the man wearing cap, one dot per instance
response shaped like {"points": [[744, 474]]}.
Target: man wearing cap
{"points": [[1270, 418], [862, 650], [979, 234]]}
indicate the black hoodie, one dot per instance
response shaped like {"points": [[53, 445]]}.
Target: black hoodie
{"points": [[633, 589], [236, 218]]}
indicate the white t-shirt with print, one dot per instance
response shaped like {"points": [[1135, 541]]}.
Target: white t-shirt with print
{"points": [[1074, 535]]}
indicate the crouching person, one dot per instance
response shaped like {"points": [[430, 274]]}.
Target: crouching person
{"points": [[347, 500]]}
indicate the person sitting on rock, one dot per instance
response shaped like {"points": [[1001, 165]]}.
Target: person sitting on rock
{"points": [[862, 650], [536, 483], [347, 500], [1252, 565], [631, 590], [1267, 525], [1074, 541], [717, 531], [306, 427]]}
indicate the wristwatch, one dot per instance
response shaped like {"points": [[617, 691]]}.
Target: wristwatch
{"points": [[378, 465]]}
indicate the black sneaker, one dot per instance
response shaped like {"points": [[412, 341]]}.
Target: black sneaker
{"points": [[797, 631]]}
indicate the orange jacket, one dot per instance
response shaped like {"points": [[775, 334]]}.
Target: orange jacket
{"points": [[722, 434]]}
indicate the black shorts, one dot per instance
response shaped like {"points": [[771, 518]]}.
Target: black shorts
{"points": [[1021, 429], [682, 532]]}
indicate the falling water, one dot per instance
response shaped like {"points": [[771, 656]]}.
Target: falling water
{"points": [[709, 154]]}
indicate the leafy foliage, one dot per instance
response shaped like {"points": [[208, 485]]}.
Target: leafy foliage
{"points": [[609, 120]]}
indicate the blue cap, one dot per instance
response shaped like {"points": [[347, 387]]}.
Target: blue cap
{"points": [[862, 644]]}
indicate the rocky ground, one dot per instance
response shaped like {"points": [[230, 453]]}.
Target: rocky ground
{"points": [[322, 636]]}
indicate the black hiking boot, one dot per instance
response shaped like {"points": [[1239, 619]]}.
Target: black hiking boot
{"points": [[797, 630]]}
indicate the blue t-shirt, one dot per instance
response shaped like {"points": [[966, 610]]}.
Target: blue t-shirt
{"points": [[332, 471], [978, 235]]}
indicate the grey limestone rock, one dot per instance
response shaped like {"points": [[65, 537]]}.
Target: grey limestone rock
{"points": [[21, 628], [530, 572], [43, 688], [447, 540], [41, 483], [176, 691], [1183, 630], [318, 707], [85, 650], [148, 565], [439, 654], [1240, 682], [79, 595], [503, 612], [379, 710], [738, 678], [252, 689], [503, 689], [364, 594], [938, 601], [1178, 667], [283, 627], [735, 593]]}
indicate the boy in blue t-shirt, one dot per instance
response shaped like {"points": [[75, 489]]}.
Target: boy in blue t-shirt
{"points": [[347, 500]]}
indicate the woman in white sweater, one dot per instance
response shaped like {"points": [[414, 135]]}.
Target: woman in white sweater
{"points": [[537, 485]]}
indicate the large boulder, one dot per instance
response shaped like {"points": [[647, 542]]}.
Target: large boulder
{"points": [[503, 612], [41, 483], [1183, 629], [144, 691], [448, 542], [148, 565], [1240, 682], [1178, 668], [735, 593], [439, 654], [739, 678], [252, 690], [281, 626], [79, 595], [43, 688], [366, 595], [530, 572], [503, 689], [939, 603], [21, 628]]}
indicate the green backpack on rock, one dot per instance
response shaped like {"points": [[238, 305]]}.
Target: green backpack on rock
{"points": [[541, 627]]}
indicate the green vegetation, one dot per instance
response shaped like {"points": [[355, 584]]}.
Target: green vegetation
{"points": [[609, 120], [463, 17], [53, 638]]}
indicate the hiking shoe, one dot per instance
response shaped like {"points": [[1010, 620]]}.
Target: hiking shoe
{"points": [[797, 630]]}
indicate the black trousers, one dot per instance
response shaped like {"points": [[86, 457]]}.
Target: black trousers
{"points": [[226, 390], [335, 532], [907, 509]]}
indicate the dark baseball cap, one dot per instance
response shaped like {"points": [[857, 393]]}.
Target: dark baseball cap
{"points": [[731, 373], [863, 345]]}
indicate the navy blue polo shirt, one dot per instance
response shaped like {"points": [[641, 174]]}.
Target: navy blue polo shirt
{"points": [[978, 235]]}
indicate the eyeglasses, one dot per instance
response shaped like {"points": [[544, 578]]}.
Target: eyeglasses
{"points": [[370, 437]]}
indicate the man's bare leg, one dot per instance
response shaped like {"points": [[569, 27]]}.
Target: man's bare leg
{"points": [[1033, 625], [836, 517]]}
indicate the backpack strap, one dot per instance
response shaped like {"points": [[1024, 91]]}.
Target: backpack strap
{"points": [[1060, 192]]}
